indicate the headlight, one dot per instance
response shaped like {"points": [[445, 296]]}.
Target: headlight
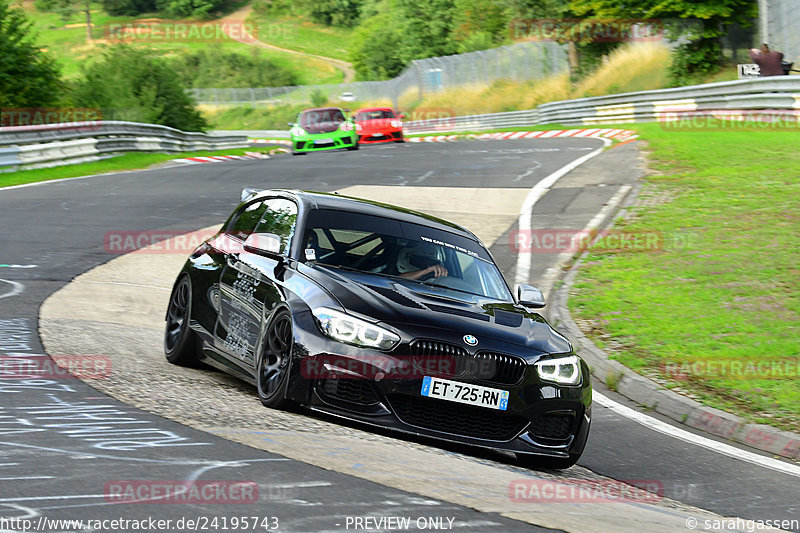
{"points": [[564, 370], [397, 124], [346, 126], [345, 328], [298, 132]]}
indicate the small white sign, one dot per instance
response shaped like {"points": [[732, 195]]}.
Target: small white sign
{"points": [[748, 71]]}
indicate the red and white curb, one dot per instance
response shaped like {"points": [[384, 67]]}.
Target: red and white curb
{"points": [[270, 141], [618, 135], [218, 158]]}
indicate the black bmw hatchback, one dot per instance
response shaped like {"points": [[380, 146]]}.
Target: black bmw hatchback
{"points": [[382, 315]]}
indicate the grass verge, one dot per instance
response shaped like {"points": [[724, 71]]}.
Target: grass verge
{"points": [[714, 312], [134, 161]]}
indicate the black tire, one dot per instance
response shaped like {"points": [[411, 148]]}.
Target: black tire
{"points": [[275, 362], [355, 145], [298, 153], [539, 462], [180, 342], [400, 140]]}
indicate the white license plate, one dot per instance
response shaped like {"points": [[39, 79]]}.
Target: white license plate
{"points": [[454, 391], [323, 141], [377, 134]]}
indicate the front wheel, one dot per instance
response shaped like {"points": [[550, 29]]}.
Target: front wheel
{"points": [[355, 145], [275, 362], [180, 342], [538, 462]]}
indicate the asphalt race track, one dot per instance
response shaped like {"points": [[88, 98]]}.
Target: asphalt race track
{"points": [[52, 466]]}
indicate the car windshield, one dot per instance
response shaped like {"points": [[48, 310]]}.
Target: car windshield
{"points": [[388, 247], [320, 116], [374, 114]]}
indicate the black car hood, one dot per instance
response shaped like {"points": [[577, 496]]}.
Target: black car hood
{"points": [[398, 301]]}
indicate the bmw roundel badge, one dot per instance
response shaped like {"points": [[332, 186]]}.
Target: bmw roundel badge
{"points": [[471, 340]]}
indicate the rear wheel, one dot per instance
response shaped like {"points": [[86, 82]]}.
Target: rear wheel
{"points": [[180, 342], [275, 362]]}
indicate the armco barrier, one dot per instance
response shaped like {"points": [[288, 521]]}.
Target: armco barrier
{"points": [[774, 93], [57, 144]]}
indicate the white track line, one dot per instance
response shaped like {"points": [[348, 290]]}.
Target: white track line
{"points": [[698, 440], [523, 270], [16, 288]]}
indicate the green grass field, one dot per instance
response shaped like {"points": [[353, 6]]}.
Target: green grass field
{"points": [[66, 41], [132, 161], [716, 313], [301, 35]]}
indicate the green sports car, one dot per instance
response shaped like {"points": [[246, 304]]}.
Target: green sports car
{"points": [[322, 128]]}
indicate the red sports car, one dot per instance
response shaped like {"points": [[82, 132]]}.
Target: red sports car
{"points": [[379, 124]]}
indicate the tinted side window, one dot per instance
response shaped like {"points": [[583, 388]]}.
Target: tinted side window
{"points": [[245, 220], [279, 218]]}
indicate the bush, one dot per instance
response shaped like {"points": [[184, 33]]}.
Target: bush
{"points": [[125, 7], [212, 67], [132, 84], [189, 8], [375, 50], [28, 76]]}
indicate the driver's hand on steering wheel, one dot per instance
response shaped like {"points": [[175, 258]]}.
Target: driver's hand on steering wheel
{"points": [[437, 270]]}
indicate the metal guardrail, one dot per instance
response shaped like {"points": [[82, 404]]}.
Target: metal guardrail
{"points": [[774, 93], [50, 145]]}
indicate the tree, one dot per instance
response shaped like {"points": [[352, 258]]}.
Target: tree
{"points": [[132, 84], [480, 24], [702, 51], [128, 7], [28, 76], [335, 12], [375, 50], [425, 27]]}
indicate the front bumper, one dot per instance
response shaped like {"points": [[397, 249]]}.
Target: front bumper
{"points": [[380, 136], [324, 141], [354, 383]]}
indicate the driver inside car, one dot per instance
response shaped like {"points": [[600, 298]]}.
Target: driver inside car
{"points": [[418, 261]]}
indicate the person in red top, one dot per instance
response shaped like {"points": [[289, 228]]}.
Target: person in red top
{"points": [[770, 62]]}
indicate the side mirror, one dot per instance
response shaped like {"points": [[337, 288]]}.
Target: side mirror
{"points": [[248, 192], [401, 116], [266, 244], [527, 295], [291, 123]]}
